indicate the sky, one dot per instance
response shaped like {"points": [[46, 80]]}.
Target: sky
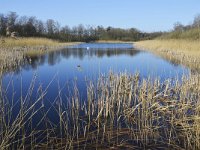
{"points": [[145, 15]]}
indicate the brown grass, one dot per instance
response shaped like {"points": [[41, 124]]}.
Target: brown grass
{"points": [[13, 50], [21, 42], [186, 52], [121, 111]]}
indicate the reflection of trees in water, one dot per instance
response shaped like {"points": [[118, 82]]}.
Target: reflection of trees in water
{"points": [[34, 61], [52, 58], [80, 53], [65, 54]]}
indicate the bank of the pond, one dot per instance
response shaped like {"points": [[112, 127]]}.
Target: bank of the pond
{"points": [[184, 52], [12, 50]]}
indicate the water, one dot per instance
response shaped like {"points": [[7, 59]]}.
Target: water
{"points": [[76, 65]]}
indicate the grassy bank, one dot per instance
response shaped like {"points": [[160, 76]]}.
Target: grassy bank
{"points": [[186, 52], [20, 42], [13, 50], [121, 112]]}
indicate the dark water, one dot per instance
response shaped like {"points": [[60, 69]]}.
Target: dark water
{"points": [[79, 64]]}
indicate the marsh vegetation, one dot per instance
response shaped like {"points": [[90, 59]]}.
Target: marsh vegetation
{"points": [[121, 111], [13, 51], [181, 51]]}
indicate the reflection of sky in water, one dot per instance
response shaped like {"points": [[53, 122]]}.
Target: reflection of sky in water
{"points": [[80, 63]]}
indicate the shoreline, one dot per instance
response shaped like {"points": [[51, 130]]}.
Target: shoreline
{"points": [[13, 51], [182, 52], [177, 51]]}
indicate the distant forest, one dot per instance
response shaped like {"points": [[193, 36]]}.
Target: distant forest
{"points": [[32, 27]]}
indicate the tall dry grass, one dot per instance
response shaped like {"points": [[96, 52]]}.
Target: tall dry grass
{"points": [[20, 42], [121, 111], [12, 51], [186, 52]]}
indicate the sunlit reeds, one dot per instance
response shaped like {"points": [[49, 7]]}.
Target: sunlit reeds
{"points": [[20, 42], [120, 111], [12, 51], [186, 52]]}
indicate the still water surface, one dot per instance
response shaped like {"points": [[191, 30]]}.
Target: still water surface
{"points": [[77, 64]]}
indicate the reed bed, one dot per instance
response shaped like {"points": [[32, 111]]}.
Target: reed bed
{"points": [[186, 52], [10, 59], [20, 42], [121, 111], [12, 51]]}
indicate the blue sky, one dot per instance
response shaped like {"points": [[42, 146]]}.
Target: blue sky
{"points": [[146, 15]]}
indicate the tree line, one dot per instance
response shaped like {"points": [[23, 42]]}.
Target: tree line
{"points": [[180, 31], [180, 27], [33, 27]]}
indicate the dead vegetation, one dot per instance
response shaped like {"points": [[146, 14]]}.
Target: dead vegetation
{"points": [[121, 111]]}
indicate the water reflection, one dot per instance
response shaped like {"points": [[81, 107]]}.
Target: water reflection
{"points": [[55, 57], [78, 65]]}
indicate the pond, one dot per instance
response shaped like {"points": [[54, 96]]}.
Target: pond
{"points": [[48, 96], [76, 64], [62, 70]]}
